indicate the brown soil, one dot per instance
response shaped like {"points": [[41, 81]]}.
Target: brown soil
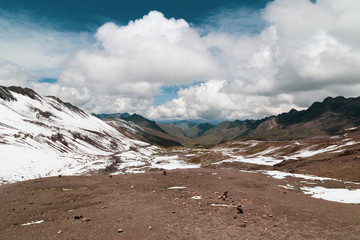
{"points": [[144, 208], [344, 165]]}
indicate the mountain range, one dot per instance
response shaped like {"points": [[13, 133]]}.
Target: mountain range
{"points": [[45, 136], [238, 174], [325, 118]]}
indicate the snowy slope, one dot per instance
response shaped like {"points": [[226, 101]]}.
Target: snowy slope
{"points": [[43, 136]]}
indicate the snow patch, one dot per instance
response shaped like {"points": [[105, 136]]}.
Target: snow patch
{"points": [[282, 175], [333, 194], [33, 222], [171, 162], [176, 187], [260, 160], [218, 205], [196, 197], [287, 186]]}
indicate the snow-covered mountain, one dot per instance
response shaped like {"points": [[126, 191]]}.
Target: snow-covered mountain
{"points": [[44, 136]]}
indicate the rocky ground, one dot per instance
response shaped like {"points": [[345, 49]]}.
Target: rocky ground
{"points": [[213, 204]]}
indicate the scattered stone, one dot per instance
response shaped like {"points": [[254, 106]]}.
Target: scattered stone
{"points": [[78, 217], [31, 203], [60, 176], [85, 219], [270, 215], [243, 225], [103, 207], [164, 173], [285, 193], [120, 230], [173, 212], [150, 227], [235, 217], [224, 196], [110, 176], [59, 232], [132, 187], [239, 210]]}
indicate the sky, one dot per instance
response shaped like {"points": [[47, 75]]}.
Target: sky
{"points": [[204, 59]]}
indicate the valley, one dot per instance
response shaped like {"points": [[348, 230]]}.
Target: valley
{"points": [[64, 172]]}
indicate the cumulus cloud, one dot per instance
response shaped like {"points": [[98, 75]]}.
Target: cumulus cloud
{"points": [[308, 51], [300, 52], [216, 100], [136, 59]]}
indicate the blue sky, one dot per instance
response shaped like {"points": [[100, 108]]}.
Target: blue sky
{"points": [[205, 59], [84, 15], [87, 16]]}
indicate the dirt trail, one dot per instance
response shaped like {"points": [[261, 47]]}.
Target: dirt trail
{"points": [[142, 206]]}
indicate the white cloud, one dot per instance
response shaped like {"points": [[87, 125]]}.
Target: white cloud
{"points": [[36, 49], [305, 52], [216, 100], [11, 74], [136, 59]]}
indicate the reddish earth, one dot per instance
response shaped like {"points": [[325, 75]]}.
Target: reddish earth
{"points": [[143, 207]]}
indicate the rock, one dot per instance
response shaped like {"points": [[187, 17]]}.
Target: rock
{"points": [[239, 210], [59, 232], [120, 230], [235, 217], [85, 219], [132, 187], [164, 173], [78, 217], [150, 227], [243, 225], [225, 194], [103, 207]]}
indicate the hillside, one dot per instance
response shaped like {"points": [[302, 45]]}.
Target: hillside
{"points": [[44, 136], [148, 130], [247, 188], [327, 118]]}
